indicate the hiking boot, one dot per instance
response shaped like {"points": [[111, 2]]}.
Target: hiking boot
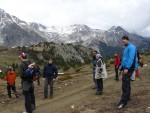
{"points": [[16, 96], [121, 106], [117, 80], [25, 112], [51, 96], [45, 98], [98, 93], [94, 88]]}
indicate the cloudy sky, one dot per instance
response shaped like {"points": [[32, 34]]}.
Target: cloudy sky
{"points": [[132, 15]]}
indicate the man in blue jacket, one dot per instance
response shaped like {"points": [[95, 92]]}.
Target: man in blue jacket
{"points": [[128, 65], [49, 73]]}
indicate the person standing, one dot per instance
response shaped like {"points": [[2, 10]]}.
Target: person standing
{"points": [[49, 73], [116, 64], [27, 84], [128, 65], [98, 73], [94, 61], [11, 78]]}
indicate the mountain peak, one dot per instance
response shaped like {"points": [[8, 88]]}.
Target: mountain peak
{"points": [[2, 11], [116, 28]]}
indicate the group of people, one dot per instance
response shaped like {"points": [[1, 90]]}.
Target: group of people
{"points": [[127, 66], [49, 73], [129, 63]]}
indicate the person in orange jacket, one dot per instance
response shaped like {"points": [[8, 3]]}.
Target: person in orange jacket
{"points": [[10, 78]]}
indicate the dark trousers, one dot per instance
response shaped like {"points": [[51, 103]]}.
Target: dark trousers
{"points": [[94, 80], [116, 71], [29, 100], [99, 83], [126, 88], [48, 81], [9, 87], [38, 80]]}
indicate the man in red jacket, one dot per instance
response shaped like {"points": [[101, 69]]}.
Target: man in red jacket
{"points": [[116, 63]]}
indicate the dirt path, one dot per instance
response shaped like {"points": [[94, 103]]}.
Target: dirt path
{"points": [[71, 94], [77, 96]]}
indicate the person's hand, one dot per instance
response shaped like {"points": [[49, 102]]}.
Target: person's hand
{"points": [[119, 72], [43, 79], [125, 71]]}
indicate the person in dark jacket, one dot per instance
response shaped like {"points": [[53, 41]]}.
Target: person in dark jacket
{"points": [[128, 65], [27, 84], [49, 73], [94, 61]]}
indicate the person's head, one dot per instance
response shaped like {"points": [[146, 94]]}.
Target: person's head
{"points": [[23, 56], [94, 53], [125, 40], [50, 61], [115, 54], [98, 56], [10, 68]]}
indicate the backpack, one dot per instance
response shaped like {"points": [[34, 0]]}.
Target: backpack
{"points": [[30, 72], [101, 71]]}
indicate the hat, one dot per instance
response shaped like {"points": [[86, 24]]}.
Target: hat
{"points": [[125, 37], [10, 67], [98, 56], [23, 55]]}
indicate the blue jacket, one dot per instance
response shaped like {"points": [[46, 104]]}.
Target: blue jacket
{"points": [[129, 55]]}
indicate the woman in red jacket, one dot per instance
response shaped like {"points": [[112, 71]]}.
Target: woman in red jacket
{"points": [[116, 64], [10, 78]]}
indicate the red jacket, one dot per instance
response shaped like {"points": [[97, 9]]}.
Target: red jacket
{"points": [[10, 77], [117, 61]]}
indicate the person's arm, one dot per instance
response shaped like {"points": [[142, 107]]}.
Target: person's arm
{"points": [[44, 71], [21, 71], [56, 72], [99, 64], [6, 78]]}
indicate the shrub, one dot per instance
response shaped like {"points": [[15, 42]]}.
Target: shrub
{"points": [[111, 61], [65, 77], [107, 65], [77, 70]]}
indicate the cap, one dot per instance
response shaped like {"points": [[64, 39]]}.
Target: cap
{"points": [[23, 55]]}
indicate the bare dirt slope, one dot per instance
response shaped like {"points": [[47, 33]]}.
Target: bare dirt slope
{"points": [[77, 96]]}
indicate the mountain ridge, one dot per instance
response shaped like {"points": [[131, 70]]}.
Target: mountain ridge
{"points": [[15, 32]]}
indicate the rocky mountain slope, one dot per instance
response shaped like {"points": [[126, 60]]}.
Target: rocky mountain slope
{"points": [[15, 32]]}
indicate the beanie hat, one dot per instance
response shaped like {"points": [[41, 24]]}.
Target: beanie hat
{"points": [[23, 55], [98, 56], [10, 67], [125, 37]]}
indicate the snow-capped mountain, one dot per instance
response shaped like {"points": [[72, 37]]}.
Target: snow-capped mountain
{"points": [[15, 32]]}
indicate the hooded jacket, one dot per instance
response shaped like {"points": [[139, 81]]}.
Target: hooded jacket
{"points": [[117, 61], [10, 78]]}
